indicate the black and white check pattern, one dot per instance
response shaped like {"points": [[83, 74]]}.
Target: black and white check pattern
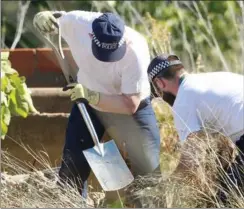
{"points": [[99, 44], [159, 67]]}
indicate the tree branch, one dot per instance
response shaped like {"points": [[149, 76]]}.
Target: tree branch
{"points": [[23, 7]]}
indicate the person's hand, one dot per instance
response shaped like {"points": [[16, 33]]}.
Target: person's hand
{"points": [[46, 22], [76, 91]]}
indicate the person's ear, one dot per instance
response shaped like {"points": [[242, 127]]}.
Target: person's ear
{"points": [[160, 83]]}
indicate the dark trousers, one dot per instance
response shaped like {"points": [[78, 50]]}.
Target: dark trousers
{"points": [[138, 133], [235, 174]]}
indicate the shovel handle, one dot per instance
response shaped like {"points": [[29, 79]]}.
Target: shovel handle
{"points": [[70, 77], [88, 122]]}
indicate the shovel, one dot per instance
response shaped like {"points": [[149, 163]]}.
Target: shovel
{"points": [[104, 159]]}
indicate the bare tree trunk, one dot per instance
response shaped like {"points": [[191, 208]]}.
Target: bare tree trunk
{"points": [[23, 8]]}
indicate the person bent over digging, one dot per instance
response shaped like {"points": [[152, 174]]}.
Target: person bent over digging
{"points": [[206, 105], [112, 77]]}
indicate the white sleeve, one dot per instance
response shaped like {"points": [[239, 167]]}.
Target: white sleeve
{"points": [[186, 120], [135, 73], [70, 21]]}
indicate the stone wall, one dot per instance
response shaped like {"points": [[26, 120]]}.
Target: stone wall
{"points": [[46, 130], [39, 66], [42, 134]]}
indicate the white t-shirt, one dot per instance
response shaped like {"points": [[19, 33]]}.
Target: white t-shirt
{"points": [[126, 76], [210, 100]]}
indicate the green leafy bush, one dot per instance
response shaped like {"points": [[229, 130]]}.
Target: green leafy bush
{"points": [[15, 96]]}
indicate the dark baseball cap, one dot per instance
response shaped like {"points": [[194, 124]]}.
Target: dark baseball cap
{"points": [[161, 63], [108, 43]]}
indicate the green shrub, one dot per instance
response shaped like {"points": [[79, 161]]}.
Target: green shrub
{"points": [[15, 96]]}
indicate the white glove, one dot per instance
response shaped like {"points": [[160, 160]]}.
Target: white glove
{"points": [[76, 91], [46, 22]]}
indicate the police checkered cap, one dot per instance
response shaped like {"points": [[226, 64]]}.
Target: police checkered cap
{"points": [[159, 64], [108, 37], [108, 46]]}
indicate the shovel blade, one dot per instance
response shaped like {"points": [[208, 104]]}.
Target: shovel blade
{"points": [[110, 169]]}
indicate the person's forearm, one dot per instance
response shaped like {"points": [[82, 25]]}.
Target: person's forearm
{"points": [[117, 104]]}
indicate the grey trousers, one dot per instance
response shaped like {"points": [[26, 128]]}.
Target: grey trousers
{"points": [[138, 133]]}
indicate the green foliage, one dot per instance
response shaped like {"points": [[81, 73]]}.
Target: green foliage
{"points": [[212, 30], [15, 96]]}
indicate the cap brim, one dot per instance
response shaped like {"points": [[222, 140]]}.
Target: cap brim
{"points": [[108, 55]]}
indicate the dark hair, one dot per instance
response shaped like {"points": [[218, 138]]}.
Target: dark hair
{"points": [[171, 71]]}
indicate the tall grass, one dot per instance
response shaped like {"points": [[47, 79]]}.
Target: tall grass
{"points": [[197, 31], [201, 187], [24, 186], [197, 187], [183, 190]]}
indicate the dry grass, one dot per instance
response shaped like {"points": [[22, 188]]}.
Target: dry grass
{"points": [[197, 188], [38, 189], [22, 185]]}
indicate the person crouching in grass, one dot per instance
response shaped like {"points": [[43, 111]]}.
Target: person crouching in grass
{"points": [[204, 105]]}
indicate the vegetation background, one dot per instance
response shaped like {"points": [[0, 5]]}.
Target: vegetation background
{"points": [[209, 32], [206, 35]]}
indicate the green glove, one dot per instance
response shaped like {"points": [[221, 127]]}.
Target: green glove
{"points": [[77, 91], [46, 22]]}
